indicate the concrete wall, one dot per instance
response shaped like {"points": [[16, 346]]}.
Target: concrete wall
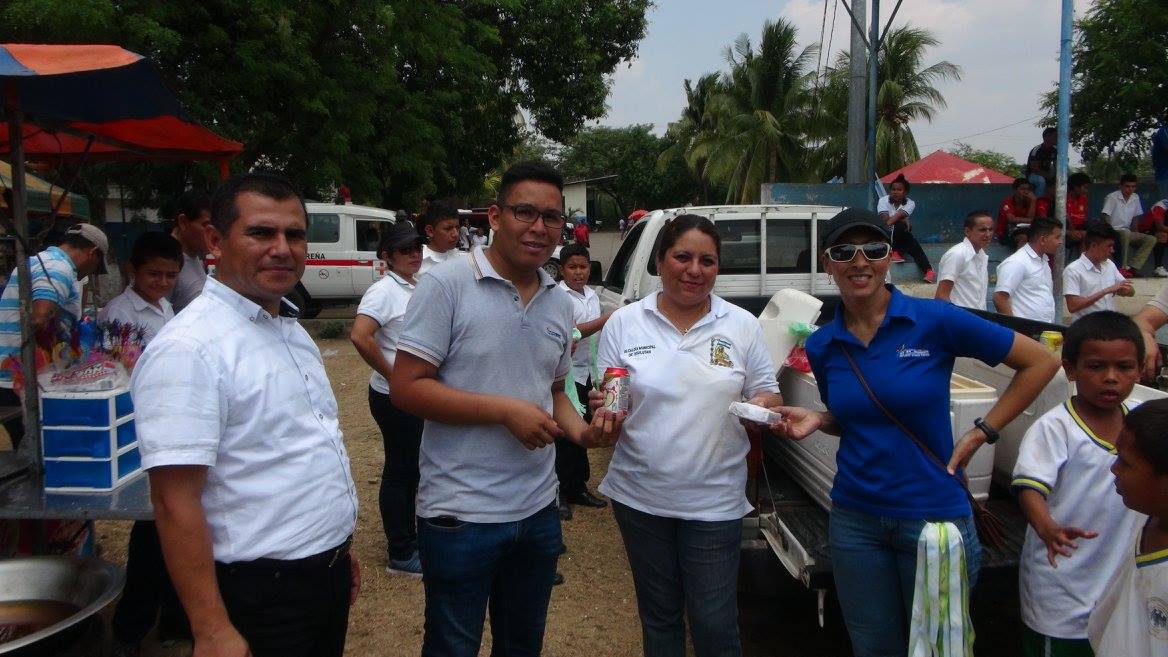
{"points": [[576, 197]]}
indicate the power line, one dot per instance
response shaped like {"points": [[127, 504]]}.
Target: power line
{"points": [[983, 132]]}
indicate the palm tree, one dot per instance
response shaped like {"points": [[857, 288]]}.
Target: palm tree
{"points": [[905, 92], [760, 116], [685, 134]]}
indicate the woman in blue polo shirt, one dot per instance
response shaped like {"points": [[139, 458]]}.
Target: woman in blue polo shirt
{"points": [[886, 487]]}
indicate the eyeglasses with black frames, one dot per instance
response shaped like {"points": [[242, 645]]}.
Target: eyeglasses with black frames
{"points": [[529, 213]]}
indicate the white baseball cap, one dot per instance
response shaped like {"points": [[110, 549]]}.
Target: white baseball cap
{"points": [[94, 236]]}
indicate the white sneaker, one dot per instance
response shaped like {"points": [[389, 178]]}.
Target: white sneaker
{"points": [[1161, 272]]}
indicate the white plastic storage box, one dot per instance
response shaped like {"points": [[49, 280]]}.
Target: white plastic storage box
{"points": [[88, 440]]}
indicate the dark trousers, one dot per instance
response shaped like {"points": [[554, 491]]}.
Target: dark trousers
{"points": [[572, 467], [684, 570], [468, 566], [903, 241], [401, 434], [289, 608], [1158, 255], [15, 426], [148, 590]]}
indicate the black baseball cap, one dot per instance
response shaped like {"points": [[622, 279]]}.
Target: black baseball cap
{"points": [[848, 219], [399, 236]]}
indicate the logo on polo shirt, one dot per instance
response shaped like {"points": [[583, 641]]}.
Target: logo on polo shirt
{"points": [[718, 355], [639, 350], [554, 333], [911, 352], [1157, 618]]}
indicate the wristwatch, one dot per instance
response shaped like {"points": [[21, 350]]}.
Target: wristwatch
{"points": [[991, 433]]}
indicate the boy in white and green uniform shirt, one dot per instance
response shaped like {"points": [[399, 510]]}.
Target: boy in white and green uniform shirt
{"points": [[1065, 488], [572, 466], [1131, 617]]}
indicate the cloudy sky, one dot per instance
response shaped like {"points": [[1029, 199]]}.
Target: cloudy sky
{"points": [[1007, 50]]}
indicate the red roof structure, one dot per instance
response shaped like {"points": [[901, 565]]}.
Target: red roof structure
{"points": [[942, 167]]}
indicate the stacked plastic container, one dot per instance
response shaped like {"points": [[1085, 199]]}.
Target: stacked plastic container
{"points": [[88, 440]]}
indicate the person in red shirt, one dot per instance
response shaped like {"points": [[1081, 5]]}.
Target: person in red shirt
{"points": [[1016, 213], [580, 233], [1077, 185]]}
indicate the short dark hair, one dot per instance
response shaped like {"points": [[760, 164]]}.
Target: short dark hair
{"points": [[971, 218], [1043, 226], [1078, 179], [437, 211], [537, 170], [224, 210], [1148, 424], [1102, 325], [192, 203], [1128, 177], [1047, 131], [1018, 182], [155, 244], [574, 250], [682, 224], [902, 180], [1098, 231]]}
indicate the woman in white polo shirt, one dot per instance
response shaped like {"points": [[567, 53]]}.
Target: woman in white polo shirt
{"points": [[678, 476], [375, 333]]}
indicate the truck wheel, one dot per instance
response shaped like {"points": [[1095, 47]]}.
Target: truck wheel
{"points": [[299, 297], [552, 267]]}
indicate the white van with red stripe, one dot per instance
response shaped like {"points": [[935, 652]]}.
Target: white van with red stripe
{"points": [[342, 256]]}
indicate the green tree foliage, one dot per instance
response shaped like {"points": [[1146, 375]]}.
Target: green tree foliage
{"points": [[688, 137], [397, 98], [1119, 83], [631, 154], [995, 160], [905, 92], [760, 114]]}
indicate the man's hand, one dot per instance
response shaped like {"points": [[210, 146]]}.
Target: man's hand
{"points": [[797, 423], [965, 449], [531, 425], [1061, 540], [604, 430], [354, 578], [227, 642], [1124, 289]]}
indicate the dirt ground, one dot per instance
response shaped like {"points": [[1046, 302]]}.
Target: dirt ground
{"points": [[594, 612]]}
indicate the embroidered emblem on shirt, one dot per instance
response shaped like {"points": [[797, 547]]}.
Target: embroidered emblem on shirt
{"points": [[1157, 618], [911, 352], [554, 333], [718, 355], [639, 350]]}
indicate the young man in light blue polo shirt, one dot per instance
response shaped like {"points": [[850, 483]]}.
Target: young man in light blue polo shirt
{"points": [[482, 358]]}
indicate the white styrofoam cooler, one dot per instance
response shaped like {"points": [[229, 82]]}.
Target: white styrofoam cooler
{"points": [[812, 460], [88, 440]]}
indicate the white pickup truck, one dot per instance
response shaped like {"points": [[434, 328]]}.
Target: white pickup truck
{"points": [[767, 248]]}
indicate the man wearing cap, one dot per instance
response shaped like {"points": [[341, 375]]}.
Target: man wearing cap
{"points": [[376, 329], [55, 306]]}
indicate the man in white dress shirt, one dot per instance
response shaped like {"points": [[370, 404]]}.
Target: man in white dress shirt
{"points": [[1091, 282], [1025, 287], [964, 269], [440, 227], [1122, 209], [238, 429], [190, 229]]}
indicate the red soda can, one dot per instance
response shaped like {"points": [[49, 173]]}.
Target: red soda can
{"points": [[615, 386]]}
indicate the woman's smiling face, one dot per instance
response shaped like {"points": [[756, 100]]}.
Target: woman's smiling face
{"points": [[859, 277]]}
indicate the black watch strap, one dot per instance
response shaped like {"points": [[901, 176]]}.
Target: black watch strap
{"points": [[990, 432]]}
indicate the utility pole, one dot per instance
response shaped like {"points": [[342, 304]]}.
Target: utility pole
{"points": [[873, 59], [857, 95]]}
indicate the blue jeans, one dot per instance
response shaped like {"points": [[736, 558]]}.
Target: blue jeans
{"points": [[684, 569], [468, 565], [874, 560], [1039, 184]]}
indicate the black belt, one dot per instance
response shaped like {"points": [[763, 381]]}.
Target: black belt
{"points": [[321, 561]]}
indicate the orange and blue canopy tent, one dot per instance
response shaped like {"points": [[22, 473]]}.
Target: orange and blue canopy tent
{"points": [[80, 103]]}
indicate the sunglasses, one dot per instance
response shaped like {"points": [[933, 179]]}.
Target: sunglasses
{"points": [[847, 252]]}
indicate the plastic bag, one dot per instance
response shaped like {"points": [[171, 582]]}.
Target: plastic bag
{"points": [[94, 375]]}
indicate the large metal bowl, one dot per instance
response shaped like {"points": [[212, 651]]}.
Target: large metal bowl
{"points": [[89, 584]]}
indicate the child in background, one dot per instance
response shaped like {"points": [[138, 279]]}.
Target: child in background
{"points": [[571, 459], [155, 261], [1064, 487], [1131, 618]]}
